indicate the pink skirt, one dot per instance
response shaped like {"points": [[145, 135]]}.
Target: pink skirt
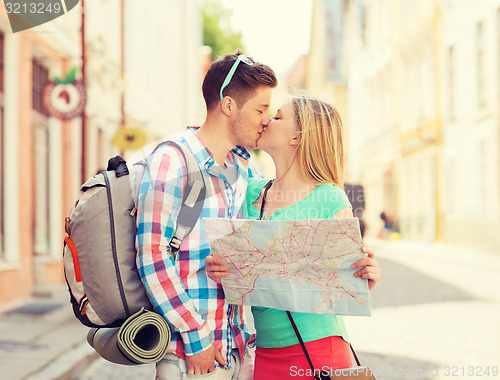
{"points": [[291, 363]]}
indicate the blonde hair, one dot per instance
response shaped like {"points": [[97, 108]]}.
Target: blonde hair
{"points": [[320, 151]]}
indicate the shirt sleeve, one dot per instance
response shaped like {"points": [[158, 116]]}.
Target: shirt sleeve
{"points": [[160, 199], [338, 200]]}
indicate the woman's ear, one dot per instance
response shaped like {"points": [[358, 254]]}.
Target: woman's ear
{"points": [[227, 105], [295, 140]]}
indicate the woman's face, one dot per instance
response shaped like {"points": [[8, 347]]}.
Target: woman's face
{"points": [[281, 133]]}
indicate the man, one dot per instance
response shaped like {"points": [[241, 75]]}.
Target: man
{"points": [[205, 329]]}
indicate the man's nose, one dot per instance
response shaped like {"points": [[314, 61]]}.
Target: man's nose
{"points": [[266, 120]]}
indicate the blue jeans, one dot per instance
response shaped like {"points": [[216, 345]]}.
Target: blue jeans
{"points": [[171, 367]]}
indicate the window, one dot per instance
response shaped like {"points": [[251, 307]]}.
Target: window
{"points": [[40, 79], [42, 204], [2, 187], [451, 189], [450, 5], [498, 52], [99, 149], [483, 175], [480, 65], [1, 62], [41, 163], [451, 83], [2, 142]]}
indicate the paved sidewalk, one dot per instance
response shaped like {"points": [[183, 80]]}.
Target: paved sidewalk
{"points": [[434, 313], [42, 340]]}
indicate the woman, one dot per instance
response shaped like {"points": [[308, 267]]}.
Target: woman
{"points": [[304, 140]]}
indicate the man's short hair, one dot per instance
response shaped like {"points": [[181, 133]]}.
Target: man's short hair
{"points": [[244, 82]]}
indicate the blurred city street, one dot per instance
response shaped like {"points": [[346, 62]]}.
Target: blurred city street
{"points": [[416, 85], [434, 316]]}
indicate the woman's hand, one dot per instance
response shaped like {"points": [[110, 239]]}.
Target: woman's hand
{"points": [[214, 268], [371, 270]]}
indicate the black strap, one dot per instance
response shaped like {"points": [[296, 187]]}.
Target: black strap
{"points": [[355, 356], [316, 376], [307, 353], [268, 186]]}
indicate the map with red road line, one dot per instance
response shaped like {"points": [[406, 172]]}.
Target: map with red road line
{"points": [[295, 265]]}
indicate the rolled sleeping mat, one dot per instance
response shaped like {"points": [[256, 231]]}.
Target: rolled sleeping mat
{"points": [[143, 338]]}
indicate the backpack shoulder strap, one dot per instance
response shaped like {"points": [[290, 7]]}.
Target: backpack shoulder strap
{"points": [[193, 198]]}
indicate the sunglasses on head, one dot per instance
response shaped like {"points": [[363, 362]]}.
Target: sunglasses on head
{"points": [[229, 76]]}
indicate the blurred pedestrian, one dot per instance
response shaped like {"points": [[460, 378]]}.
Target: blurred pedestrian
{"points": [[390, 229], [356, 195]]}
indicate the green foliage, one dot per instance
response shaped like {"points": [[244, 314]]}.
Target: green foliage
{"points": [[217, 31], [70, 77]]}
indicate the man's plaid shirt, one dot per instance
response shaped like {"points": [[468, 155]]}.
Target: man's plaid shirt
{"points": [[193, 305]]}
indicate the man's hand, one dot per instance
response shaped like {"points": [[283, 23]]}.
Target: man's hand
{"points": [[371, 270], [214, 268], [204, 362]]}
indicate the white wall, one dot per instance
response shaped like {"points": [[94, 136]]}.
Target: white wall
{"points": [[163, 79], [471, 133]]}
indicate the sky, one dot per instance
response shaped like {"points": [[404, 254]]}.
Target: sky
{"points": [[275, 32]]}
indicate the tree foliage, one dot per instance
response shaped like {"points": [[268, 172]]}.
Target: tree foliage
{"points": [[217, 30]]}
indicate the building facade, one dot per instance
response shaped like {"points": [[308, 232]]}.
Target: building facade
{"points": [[324, 65], [470, 58], [163, 72], [423, 83], [393, 77], [157, 89], [36, 158]]}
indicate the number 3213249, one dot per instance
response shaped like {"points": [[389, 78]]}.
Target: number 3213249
{"points": [[34, 8], [471, 370]]}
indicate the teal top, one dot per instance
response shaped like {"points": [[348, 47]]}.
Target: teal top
{"points": [[272, 325]]}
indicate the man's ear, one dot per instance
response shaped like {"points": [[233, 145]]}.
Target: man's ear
{"points": [[228, 105]]}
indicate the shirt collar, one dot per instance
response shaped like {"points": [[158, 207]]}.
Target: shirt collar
{"points": [[203, 154]]}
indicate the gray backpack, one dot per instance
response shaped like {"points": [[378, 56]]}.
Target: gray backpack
{"points": [[99, 252]]}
